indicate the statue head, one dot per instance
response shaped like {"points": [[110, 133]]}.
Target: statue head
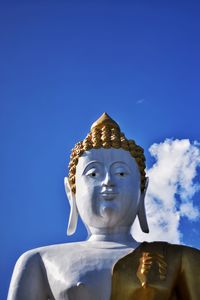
{"points": [[107, 181]]}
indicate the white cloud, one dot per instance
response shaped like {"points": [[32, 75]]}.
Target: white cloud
{"points": [[140, 101], [187, 209], [171, 188]]}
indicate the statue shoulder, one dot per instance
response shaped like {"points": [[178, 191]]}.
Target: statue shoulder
{"points": [[190, 260], [171, 249], [28, 258], [178, 254], [35, 256], [30, 271], [188, 250], [188, 278], [58, 250], [28, 274]]}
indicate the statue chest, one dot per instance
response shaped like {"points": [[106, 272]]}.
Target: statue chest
{"points": [[85, 274]]}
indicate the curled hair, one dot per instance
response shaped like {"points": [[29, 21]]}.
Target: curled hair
{"points": [[105, 133]]}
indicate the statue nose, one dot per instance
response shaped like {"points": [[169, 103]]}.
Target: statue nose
{"points": [[108, 180]]}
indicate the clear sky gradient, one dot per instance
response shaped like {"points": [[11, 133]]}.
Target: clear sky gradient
{"points": [[63, 63]]}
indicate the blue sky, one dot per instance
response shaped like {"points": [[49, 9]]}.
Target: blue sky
{"points": [[63, 63]]}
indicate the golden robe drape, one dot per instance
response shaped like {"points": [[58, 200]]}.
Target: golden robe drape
{"points": [[157, 271]]}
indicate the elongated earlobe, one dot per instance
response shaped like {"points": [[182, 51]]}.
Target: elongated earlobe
{"points": [[142, 212], [73, 217]]}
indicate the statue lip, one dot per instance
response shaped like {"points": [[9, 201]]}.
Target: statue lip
{"points": [[108, 195]]}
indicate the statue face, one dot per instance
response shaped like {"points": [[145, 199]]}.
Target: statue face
{"points": [[107, 188]]}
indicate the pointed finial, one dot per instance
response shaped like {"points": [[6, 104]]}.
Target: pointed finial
{"points": [[105, 119]]}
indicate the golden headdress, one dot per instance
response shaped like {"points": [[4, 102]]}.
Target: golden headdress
{"points": [[106, 133]]}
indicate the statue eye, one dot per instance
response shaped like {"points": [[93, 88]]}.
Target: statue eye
{"points": [[92, 173], [121, 173]]}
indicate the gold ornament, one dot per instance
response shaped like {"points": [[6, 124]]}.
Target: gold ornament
{"points": [[106, 133]]}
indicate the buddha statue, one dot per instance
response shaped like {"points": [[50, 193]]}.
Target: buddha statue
{"points": [[106, 187]]}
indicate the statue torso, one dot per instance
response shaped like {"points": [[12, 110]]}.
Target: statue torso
{"points": [[81, 270], [108, 271]]}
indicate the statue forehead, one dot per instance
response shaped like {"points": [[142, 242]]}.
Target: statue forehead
{"points": [[107, 157]]}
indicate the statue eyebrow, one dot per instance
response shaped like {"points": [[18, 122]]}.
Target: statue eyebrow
{"points": [[121, 162], [90, 163]]}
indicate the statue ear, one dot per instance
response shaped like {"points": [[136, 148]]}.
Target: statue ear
{"points": [[141, 211], [73, 217]]}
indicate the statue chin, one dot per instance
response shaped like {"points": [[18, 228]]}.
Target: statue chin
{"points": [[108, 212]]}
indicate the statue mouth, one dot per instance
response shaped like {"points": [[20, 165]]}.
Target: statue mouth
{"points": [[108, 195]]}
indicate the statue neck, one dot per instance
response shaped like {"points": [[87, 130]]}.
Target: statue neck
{"points": [[117, 235]]}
